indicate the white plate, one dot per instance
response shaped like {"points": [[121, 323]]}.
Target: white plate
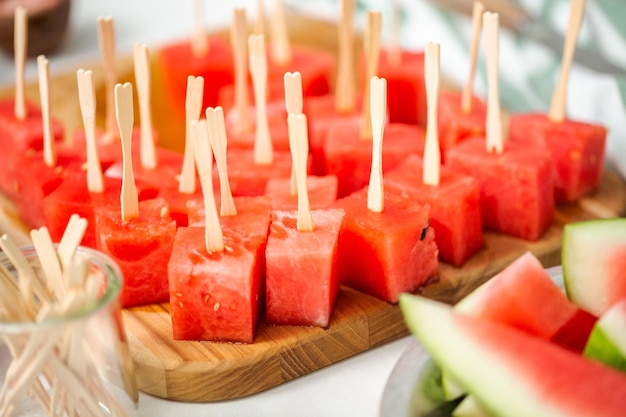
{"points": [[414, 385]]}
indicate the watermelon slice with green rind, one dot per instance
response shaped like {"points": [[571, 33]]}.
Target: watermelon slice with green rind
{"points": [[607, 342], [594, 263], [511, 373]]}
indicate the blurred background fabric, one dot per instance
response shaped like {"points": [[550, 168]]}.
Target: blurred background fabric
{"points": [[528, 70]]}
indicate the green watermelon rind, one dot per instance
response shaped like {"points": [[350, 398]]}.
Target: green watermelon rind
{"points": [[607, 342], [586, 247], [432, 324]]}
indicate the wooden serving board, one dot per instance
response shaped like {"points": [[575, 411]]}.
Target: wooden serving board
{"points": [[205, 371]]}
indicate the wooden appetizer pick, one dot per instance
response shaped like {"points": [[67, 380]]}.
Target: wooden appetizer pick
{"points": [[293, 103], [345, 85], [394, 50], [298, 141], [193, 109], [106, 37], [217, 139], [559, 97], [432, 155], [87, 99], [124, 113], [142, 81], [199, 40], [263, 150], [49, 149], [20, 42], [281, 47], [214, 239], [468, 88], [491, 23], [239, 38], [378, 106], [371, 44], [259, 21]]}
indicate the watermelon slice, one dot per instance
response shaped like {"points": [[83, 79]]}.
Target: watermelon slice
{"points": [[163, 175], [385, 254], [607, 342], [594, 263], [516, 187], [349, 157], [277, 123], [322, 192], [577, 150], [511, 373], [141, 247], [454, 207], [248, 178], [301, 269], [453, 124], [522, 296]]}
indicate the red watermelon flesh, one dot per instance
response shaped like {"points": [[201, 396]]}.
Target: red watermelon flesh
{"points": [[141, 247], [316, 68], [516, 186], [177, 62], [577, 149], [321, 115], [349, 157], [385, 254], [454, 207], [35, 180], [277, 123], [179, 203], [19, 136], [453, 124], [509, 372], [253, 215], [406, 89], [322, 192], [574, 334], [73, 197], [250, 179], [214, 296], [301, 269], [522, 296], [164, 174]]}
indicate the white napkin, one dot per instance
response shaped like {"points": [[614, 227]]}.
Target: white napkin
{"points": [[528, 71]]}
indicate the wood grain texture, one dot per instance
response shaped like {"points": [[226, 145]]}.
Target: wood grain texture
{"points": [[205, 371]]}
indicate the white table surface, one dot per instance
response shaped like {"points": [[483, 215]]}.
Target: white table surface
{"points": [[353, 387]]}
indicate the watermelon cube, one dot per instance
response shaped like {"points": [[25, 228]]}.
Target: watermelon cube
{"points": [[321, 115], [301, 269], [577, 149], [141, 247], [453, 124], [322, 192], [406, 90], [516, 186], [35, 180], [232, 278], [385, 254], [177, 61], [19, 136], [248, 178], [277, 123], [454, 207], [73, 197], [164, 174], [349, 157]]}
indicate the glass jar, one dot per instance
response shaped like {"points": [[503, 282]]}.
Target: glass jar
{"points": [[69, 364]]}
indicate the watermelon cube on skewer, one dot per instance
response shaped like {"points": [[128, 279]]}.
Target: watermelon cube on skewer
{"points": [[215, 272]]}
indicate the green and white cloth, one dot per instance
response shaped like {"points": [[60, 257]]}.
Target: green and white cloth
{"points": [[528, 71]]}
